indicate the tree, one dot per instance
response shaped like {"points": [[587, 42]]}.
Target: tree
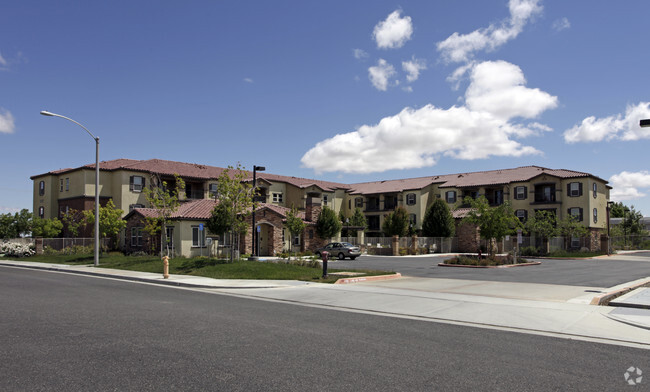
{"points": [[542, 224], [396, 223], [569, 227], [110, 220], [295, 225], [235, 193], [617, 210], [494, 222], [327, 224], [16, 225], [358, 220], [166, 202], [631, 223], [47, 228], [73, 220], [438, 221], [220, 219], [7, 228]]}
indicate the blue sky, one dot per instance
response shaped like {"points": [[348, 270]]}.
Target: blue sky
{"points": [[338, 90]]}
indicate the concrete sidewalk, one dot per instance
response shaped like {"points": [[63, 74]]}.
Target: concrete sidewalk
{"points": [[398, 298]]}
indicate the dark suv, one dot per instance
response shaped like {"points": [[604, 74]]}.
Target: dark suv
{"points": [[341, 250]]}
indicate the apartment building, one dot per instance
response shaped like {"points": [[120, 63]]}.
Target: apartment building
{"points": [[528, 189]]}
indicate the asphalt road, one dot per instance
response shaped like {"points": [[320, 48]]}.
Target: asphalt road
{"points": [[65, 332], [599, 272]]}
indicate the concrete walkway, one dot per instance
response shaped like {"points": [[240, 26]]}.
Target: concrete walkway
{"points": [[529, 308]]}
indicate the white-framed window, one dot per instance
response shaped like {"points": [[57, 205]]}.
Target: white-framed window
{"points": [[136, 183], [277, 197], [576, 212], [520, 192], [575, 189], [410, 199], [67, 184], [198, 236], [595, 213], [450, 196], [358, 202], [41, 188], [213, 190], [595, 189], [136, 236], [522, 215]]}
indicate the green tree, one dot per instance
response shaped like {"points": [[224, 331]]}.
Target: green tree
{"points": [[542, 224], [438, 221], [396, 223], [631, 223], [235, 193], [166, 202], [46, 228], [16, 225], [617, 210], [73, 220], [110, 220], [7, 228], [295, 225], [358, 220], [220, 220], [494, 222], [569, 227], [327, 224]]}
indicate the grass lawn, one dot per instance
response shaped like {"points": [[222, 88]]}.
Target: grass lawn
{"points": [[211, 268]]}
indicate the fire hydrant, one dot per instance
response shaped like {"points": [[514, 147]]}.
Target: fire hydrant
{"points": [[166, 267], [324, 256]]}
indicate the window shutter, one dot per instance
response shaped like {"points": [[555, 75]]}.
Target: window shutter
{"points": [[143, 183], [581, 213], [580, 189], [131, 183], [526, 196]]}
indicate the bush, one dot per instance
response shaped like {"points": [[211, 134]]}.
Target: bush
{"points": [[531, 251], [13, 249]]}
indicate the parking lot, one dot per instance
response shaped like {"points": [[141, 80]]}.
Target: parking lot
{"points": [[597, 272]]}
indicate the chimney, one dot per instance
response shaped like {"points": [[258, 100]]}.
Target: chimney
{"points": [[312, 208]]}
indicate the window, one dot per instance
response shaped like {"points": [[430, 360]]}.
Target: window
{"points": [[61, 185], [373, 223], [213, 190], [325, 197], [450, 196], [498, 197], [311, 234], [545, 193], [296, 240], [198, 236], [136, 236], [521, 192], [67, 184], [41, 212], [576, 212], [410, 199], [134, 206], [41, 188], [136, 183], [412, 220], [595, 215], [595, 188], [169, 234], [358, 202], [574, 189], [522, 215], [277, 197]]}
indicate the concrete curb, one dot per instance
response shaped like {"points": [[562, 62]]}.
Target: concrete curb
{"points": [[367, 278], [490, 266], [604, 299]]}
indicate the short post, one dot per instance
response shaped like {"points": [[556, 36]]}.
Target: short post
{"points": [[166, 267], [324, 255]]}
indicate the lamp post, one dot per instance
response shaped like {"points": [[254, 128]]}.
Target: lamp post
{"points": [[644, 123], [609, 238], [46, 113], [254, 252]]}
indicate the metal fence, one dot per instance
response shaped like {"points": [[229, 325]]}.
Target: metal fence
{"points": [[431, 244], [630, 242], [59, 244]]}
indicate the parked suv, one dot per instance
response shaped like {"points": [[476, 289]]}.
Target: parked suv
{"points": [[340, 250]]}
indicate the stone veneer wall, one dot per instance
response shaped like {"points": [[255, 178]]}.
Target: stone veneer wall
{"points": [[469, 238]]}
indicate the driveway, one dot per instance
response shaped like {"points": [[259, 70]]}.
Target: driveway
{"points": [[599, 272]]}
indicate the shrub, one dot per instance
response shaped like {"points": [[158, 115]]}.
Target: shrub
{"points": [[13, 249]]}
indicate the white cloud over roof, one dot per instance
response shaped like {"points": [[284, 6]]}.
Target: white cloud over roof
{"points": [[626, 185], [393, 32], [416, 138]]}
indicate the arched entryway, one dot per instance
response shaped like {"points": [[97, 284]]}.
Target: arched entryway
{"points": [[266, 242]]}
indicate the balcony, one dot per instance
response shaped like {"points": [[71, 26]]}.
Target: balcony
{"points": [[545, 194]]}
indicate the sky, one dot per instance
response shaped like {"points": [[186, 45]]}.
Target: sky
{"points": [[344, 91]]}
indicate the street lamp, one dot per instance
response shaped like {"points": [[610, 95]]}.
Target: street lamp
{"points": [[46, 113], [644, 123], [255, 198]]}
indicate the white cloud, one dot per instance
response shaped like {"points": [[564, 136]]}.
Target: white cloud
{"points": [[498, 87], [380, 74], [620, 126], [413, 68], [6, 122], [248, 80], [625, 185], [2, 60], [360, 54], [393, 32], [461, 47], [416, 138], [561, 24]]}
